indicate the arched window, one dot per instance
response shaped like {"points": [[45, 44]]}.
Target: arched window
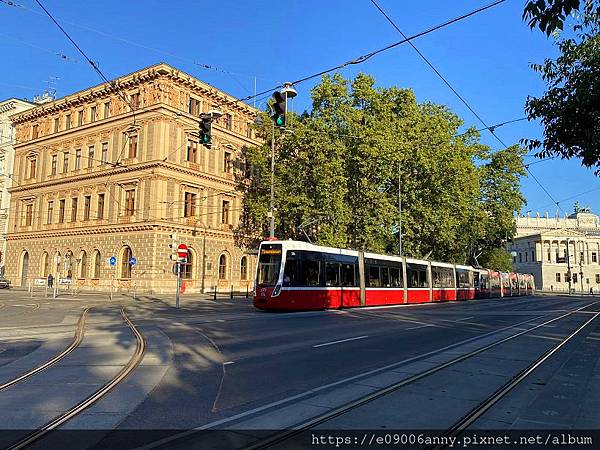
{"points": [[244, 268], [186, 269], [126, 255], [45, 266], [58, 261], [69, 263], [222, 267], [84, 265], [97, 263]]}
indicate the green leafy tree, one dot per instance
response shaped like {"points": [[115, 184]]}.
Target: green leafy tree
{"points": [[338, 174], [497, 259], [570, 108]]}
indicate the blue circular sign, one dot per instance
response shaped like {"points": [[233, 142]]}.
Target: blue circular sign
{"points": [[132, 261], [112, 261]]}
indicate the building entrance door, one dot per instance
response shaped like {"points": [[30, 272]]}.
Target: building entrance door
{"points": [[25, 269]]}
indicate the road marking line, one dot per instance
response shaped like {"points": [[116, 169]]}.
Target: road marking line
{"points": [[466, 318], [229, 362], [337, 342], [422, 326]]}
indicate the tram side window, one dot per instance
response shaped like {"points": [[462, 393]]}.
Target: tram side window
{"points": [[332, 274], [290, 271], [347, 272], [395, 277], [417, 276], [373, 276], [442, 277], [310, 273], [385, 277], [464, 278]]}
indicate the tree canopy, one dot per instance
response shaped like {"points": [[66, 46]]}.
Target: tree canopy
{"points": [[339, 169], [570, 108]]}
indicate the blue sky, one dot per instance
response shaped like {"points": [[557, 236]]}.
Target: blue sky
{"points": [[485, 57]]}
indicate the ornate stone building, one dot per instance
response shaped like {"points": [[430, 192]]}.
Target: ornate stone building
{"points": [[114, 170], [7, 157], [540, 247]]}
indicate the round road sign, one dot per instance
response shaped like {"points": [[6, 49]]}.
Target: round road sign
{"points": [[182, 251], [132, 261], [112, 261]]}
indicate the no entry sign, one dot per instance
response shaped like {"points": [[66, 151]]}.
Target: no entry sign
{"points": [[182, 251]]}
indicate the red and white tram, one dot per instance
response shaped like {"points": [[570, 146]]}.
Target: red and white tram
{"points": [[297, 275]]}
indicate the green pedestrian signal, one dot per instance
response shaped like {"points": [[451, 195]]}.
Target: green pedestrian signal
{"points": [[279, 109]]}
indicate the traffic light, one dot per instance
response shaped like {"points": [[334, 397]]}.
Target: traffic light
{"points": [[206, 131], [173, 246], [279, 109]]}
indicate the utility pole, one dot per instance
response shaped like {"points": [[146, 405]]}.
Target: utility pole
{"points": [[399, 213], [569, 275], [271, 204]]}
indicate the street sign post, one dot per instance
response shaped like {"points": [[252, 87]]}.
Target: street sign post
{"points": [[182, 254]]}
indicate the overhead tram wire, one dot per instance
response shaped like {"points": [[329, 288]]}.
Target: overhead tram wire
{"points": [[90, 62], [491, 129]]}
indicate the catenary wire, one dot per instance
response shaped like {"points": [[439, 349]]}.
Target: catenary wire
{"points": [[462, 99]]}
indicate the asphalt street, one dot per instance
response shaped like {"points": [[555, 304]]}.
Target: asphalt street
{"points": [[224, 364]]}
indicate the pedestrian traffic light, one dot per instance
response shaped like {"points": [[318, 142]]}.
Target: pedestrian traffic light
{"points": [[279, 109], [173, 246], [206, 131]]}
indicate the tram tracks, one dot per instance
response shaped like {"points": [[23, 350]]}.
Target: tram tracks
{"points": [[77, 338], [465, 421], [91, 399]]}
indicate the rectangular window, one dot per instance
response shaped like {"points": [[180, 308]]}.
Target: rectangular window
{"points": [[385, 276], [442, 277], [226, 162], [309, 272], [133, 143], [56, 124], [532, 255], [32, 167], [87, 202], [34, 131], [249, 130], [80, 118], [373, 276], [104, 157], [107, 110], [61, 211], [129, 202], [574, 277], [68, 122], [594, 257], [78, 159], [225, 212], [190, 205], [50, 211], [192, 151], [28, 215], [194, 106], [53, 163], [93, 114], [348, 275], [581, 256], [417, 276], [525, 256], [520, 257], [229, 121], [598, 278], [100, 206], [396, 277], [65, 162], [332, 274], [73, 209], [91, 150], [135, 101], [567, 277], [558, 277]]}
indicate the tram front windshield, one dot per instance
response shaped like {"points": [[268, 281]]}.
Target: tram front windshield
{"points": [[269, 262]]}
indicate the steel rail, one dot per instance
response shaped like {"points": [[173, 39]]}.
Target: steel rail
{"points": [[131, 365], [485, 405], [79, 332], [303, 426]]}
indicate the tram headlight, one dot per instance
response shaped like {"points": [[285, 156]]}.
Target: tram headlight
{"points": [[276, 291]]}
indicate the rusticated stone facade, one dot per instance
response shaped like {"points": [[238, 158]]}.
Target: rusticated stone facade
{"points": [[114, 170]]}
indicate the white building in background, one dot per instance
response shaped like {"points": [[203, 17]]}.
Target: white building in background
{"points": [[540, 248], [7, 158]]}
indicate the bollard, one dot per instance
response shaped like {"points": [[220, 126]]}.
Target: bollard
{"points": [[231, 293], [246, 291], [215, 296]]}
